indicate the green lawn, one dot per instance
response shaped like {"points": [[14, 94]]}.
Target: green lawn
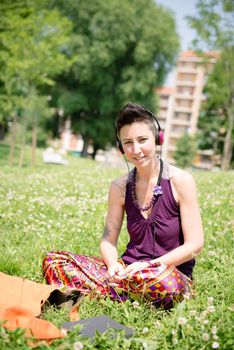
{"points": [[63, 207]]}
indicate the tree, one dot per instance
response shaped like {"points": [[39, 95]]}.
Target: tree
{"points": [[33, 43], [214, 24], [123, 50]]}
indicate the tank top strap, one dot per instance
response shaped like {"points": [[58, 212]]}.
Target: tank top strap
{"points": [[166, 170]]}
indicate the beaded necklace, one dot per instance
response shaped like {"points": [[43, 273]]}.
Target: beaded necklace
{"points": [[157, 189]]}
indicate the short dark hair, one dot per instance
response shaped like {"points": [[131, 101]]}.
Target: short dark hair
{"points": [[132, 113]]}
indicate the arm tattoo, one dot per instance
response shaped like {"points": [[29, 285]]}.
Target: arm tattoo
{"points": [[106, 232], [110, 229]]}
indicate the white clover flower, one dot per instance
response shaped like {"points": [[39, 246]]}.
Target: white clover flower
{"points": [[78, 345], [211, 253], [214, 330], [211, 308], [182, 321], [193, 313], [206, 321], [158, 324], [205, 336], [145, 345], [135, 304], [204, 314], [187, 296], [215, 345], [145, 330]]}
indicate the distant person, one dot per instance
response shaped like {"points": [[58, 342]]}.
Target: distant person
{"points": [[163, 222]]}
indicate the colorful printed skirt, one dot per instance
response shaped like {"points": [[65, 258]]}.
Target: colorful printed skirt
{"points": [[163, 285]]}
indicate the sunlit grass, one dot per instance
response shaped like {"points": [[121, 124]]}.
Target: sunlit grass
{"points": [[63, 207]]}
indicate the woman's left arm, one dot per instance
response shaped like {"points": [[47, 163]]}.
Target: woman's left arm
{"points": [[191, 222]]}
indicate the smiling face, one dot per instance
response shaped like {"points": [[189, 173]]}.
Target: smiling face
{"points": [[138, 142]]}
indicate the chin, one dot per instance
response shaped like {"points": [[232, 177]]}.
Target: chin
{"points": [[141, 163]]}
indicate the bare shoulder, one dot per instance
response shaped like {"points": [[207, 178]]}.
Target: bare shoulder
{"points": [[182, 180], [118, 186]]}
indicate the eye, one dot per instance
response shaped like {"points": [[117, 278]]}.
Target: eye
{"points": [[127, 142], [143, 139]]}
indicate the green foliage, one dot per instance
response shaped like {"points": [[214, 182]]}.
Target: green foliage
{"points": [[213, 23], [33, 48], [185, 151], [215, 27], [51, 207], [218, 108], [122, 50]]}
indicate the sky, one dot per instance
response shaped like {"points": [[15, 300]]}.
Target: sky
{"points": [[181, 8]]}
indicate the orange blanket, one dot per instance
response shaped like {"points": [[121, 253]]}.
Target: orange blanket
{"points": [[21, 301]]}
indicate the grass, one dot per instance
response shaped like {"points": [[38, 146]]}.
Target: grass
{"points": [[63, 207]]}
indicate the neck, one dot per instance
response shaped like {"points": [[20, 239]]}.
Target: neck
{"points": [[150, 172]]}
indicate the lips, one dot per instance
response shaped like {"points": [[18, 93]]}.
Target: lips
{"points": [[139, 158]]}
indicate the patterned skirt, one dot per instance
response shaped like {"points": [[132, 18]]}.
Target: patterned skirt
{"points": [[163, 285]]}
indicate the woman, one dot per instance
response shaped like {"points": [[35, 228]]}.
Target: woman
{"points": [[163, 221]]}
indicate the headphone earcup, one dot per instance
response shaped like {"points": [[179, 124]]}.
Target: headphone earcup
{"points": [[160, 137]]}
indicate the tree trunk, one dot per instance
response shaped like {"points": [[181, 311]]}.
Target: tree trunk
{"points": [[228, 142], [22, 149], [84, 152], [95, 149], [13, 138], [34, 145], [2, 132]]}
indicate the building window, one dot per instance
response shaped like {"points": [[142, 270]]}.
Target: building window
{"points": [[186, 77], [183, 103], [183, 116]]}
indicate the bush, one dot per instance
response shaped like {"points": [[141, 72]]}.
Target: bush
{"points": [[185, 151]]}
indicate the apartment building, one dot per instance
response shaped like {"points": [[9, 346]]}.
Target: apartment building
{"points": [[166, 99], [179, 107]]}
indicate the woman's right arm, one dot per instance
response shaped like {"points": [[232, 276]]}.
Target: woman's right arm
{"points": [[113, 224]]}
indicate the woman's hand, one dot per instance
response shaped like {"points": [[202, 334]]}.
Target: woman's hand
{"points": [[114, 271], [132, 268]]}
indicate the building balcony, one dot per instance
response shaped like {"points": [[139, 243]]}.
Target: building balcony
{"points": [[163, 104], [180, 122], [161, 118], [184, 96], [185, 83], [175, 135], [183, 109], [187, 70]]}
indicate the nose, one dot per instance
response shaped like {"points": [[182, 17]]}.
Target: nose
{"points": [[136, 147]]}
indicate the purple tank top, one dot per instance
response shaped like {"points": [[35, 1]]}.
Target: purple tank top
{"points": [[160, 233]]}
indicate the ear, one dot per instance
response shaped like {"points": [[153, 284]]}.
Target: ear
{"points": [[119, 146], [118, 142]]}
